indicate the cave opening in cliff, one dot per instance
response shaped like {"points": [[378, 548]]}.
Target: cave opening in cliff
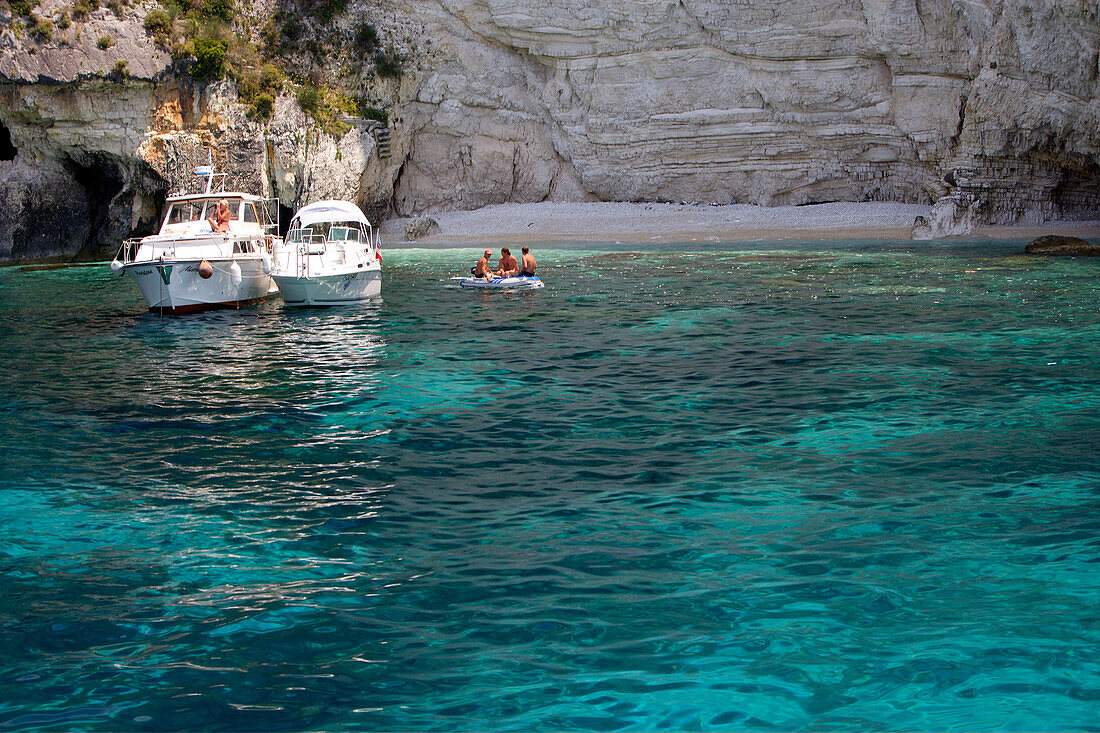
{"points": [[101, 179], [7, 147], [285, 215]]}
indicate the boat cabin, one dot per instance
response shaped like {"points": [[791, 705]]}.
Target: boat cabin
{"points": [[331, 231], [330, 222], [188, 214]]}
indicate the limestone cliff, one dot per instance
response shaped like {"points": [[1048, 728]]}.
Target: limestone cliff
{"points": [[991, 102], [989, 107]]}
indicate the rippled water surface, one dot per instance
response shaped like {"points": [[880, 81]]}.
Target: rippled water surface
{"points": [[847, 486]]}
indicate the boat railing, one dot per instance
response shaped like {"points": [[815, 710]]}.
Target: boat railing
{"points": [[307, 245], [271, 223], [127, 253]]}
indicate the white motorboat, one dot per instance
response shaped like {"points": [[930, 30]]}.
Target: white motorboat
{"points": [[331, 255], [519, 282], [188, 266]]}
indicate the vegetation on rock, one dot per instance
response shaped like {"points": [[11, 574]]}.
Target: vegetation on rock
{"points": [[83, 8], [43, 28], [210, 40], [209, 59], [22, 7]]}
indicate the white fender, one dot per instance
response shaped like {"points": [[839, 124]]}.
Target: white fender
{"points": [[235, 273], [116, 267]]}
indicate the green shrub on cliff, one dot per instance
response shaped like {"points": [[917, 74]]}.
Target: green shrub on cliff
{"points": [[369, 112], [327, 10], [22, 7], [387, 64], [105, 42], [325, 106], [157, 22], [218, 10], [83, 8], [258, 89], [310, 99], [209, 59], [366, 38], [262, 107], [43, 28], [272, 78]]}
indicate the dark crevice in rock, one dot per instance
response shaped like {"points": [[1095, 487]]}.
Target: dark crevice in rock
{"points": [[7, 148], [102, 180], [286, 213], [962, 118], [396, 205]]}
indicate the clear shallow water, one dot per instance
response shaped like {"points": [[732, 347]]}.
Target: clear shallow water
{"points": [[846, 486]]}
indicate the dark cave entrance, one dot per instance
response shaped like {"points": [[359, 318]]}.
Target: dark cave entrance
{"points": [[101, 179], [8, 150], [285, 215]]}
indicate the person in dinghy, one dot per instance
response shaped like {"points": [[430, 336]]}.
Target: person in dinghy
{"points": [[507, 266], [527, 269], [482, 269]]}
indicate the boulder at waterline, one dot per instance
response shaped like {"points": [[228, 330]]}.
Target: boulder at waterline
{"points": [[1053, 244]]}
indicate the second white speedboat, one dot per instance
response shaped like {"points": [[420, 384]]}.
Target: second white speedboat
{"points": [[331, 255]]}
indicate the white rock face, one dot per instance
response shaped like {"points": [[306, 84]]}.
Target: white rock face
{"points": [[772, 102], [990, 105]]}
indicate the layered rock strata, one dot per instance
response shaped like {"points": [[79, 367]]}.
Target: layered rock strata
{"points": [[991, 102], [989, 107]]}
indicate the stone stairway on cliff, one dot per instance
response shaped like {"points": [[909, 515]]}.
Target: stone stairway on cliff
{"points": [[382, 138]]}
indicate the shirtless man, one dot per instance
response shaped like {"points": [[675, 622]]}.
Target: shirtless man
{"points": [[219, 220], [527, 269], [507, 267], [482, 269]]}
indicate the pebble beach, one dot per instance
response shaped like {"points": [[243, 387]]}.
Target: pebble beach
{"points": [[693, 222]]}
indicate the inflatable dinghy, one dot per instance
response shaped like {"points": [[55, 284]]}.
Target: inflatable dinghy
{"points": [[503, 283]]}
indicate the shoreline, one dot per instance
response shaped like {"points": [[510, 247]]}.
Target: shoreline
{"points": [[633, 223]]}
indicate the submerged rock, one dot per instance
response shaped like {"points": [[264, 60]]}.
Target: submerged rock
{"points": [[1053, 244]]}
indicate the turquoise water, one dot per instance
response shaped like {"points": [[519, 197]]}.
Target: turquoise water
{"points": [[839, 486]]}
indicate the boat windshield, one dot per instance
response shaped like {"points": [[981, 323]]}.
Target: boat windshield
{"points": [[343, 233], [323, 231], [188, 211]]}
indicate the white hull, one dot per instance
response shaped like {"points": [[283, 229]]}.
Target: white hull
{"points": [[503, 283], [331, 289], [175, 285]]}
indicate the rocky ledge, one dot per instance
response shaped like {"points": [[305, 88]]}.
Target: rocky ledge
{"points": [[1059, 245]]}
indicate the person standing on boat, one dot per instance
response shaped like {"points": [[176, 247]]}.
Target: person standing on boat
{"points": [[482, 269], [219, 220], [528, 268], [507, 267]]}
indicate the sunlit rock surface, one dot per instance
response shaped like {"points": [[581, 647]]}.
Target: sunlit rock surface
{"points": [[989, 107]]}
